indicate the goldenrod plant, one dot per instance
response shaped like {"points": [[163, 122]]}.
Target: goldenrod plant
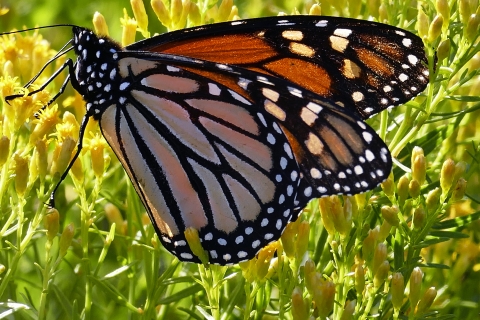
{"points": [[406, 250]]}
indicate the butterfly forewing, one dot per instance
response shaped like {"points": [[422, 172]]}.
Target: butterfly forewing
{"points": [[365, 66]]}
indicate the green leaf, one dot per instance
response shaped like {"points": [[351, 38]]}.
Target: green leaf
{"points": [[429, 242], [449, 234], [434, 265], [181, 294], [457, 222]]}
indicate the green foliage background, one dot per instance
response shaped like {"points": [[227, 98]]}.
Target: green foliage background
{"points": [[114, 267]]}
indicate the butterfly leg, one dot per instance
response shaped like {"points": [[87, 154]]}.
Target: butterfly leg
{"points": [[81, 133], [69, 64]]}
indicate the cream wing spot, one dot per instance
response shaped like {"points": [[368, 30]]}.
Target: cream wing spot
{"points": [[293, 35], [302, 49], [338, 43], [275, 110], [270, 94]]}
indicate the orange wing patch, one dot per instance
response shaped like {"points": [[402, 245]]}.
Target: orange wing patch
{"points": [[303, 73], [236, 49]]}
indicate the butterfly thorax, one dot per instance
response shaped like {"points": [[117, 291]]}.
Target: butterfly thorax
{"points": [[96, 69]]}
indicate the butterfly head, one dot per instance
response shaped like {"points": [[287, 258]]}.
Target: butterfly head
{"points": [[96, 67]]}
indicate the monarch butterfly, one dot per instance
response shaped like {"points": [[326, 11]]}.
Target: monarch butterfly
{"points": [[232, 128]]}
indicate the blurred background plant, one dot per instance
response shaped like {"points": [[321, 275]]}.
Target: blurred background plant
{"points": [[409, 249]]}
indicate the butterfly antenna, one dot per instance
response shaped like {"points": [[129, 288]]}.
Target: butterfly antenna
{"points": [[38, 28]]}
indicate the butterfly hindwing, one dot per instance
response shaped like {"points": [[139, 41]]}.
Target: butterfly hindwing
{"points": [[202, 156]]}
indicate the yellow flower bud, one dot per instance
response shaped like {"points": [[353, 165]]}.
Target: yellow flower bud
{"points": [[338, 217], [390, 214], [99, 24], [301, 245], [161, 12], [2, 268], [427, 300], [41, 159], [311, 280], [224, 10], [384, 231], [422, 23], [176, 9], [433, 199], [379, 256], [309, 267], [21, 174], [407, 208], [325, 212], [234, 14], [388, 186], [359, 279], [471, 30], [397, 290], [69, 127], [193, 240], [324, 297], [300, 308], [382, 13], [77, 170], [459, 190], [354, 8], [419, 218], [63, 153], [348, 310], [288, 238], [435, 28], [402, 189], [129, 29], [52, 224], [464, 9], [414, 189], [141, 16], [66, 239], [368, 247], [419, 165], [415, 287], [444, 10], [381, 274], [447, 175], [263, 261], [98, 162], [4, 150], [443, 50], [194, 14], [460, 168], [114, 216], [315, 10]]}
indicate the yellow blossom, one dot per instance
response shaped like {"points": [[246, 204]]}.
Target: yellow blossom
{"points": [[47, 119], [129, 29], [96, 144], [100, 25]]}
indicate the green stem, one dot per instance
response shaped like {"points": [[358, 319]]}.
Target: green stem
{"points": [[46, 279]]}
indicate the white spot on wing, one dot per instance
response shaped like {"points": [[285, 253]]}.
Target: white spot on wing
{"points": [[213, 89], [344, 33]]}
